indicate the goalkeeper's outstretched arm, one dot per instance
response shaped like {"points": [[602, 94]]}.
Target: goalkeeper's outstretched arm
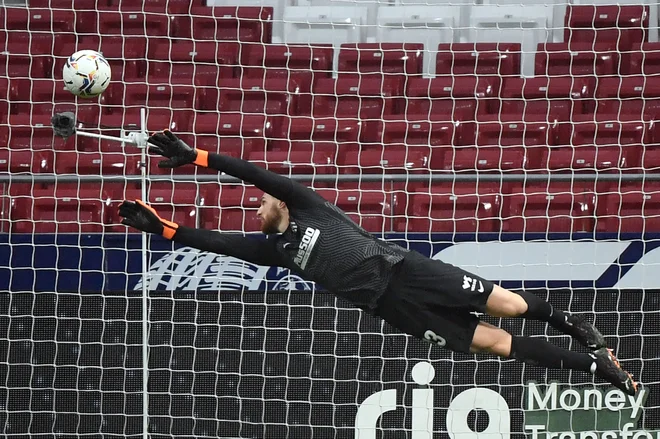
{"points": [[178, 153], [139, 215]]}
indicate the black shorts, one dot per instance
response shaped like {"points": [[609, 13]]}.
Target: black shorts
{"points": [[434, 301]]}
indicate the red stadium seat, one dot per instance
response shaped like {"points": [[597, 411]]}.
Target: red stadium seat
{"points": [[543, 208], [25, 161], [370, 209], [620, 139], [588, 158], [455, 98], [351, 96], [133, 23], [629, 97], [62, 208], [245, 95], [552, 98], [622, 25], [150, 6], [203, 63], [34, 101], [151, 96], [35, 133], [95, 163], [379, 159], [393, 130], [576, 59], [478, 59], [324, 130], [388, 58], [630, 208], [236, 134], [25, 66], [497, 132], [482, 158], [67, 4], [302, 63], [451, 208], [225, 23], [643, 60], [296, 161], [237, 210]]}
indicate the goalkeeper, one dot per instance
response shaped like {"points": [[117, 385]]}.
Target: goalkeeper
{"points": [[426, 298]]}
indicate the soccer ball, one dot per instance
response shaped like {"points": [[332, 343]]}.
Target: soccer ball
{"points": [[86, 74]]}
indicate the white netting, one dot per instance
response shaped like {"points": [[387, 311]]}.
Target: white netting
{"points": [[516, 139]]}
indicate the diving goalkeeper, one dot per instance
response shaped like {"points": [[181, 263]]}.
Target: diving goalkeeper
{"points": [[426, 298]]}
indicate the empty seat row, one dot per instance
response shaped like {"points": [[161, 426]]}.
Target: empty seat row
{"points": [[171, 61], [415, 207], [196, 22], [349, 97]]}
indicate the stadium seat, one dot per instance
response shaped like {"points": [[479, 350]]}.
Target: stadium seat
{"points": [[382, 159], [628, 97], [25, 161], [351, 96], [429, 24], [455, 98], [151, 96], [370, 209], [643, 60], [588, 159], [299, 62], [483, 159], [576, 59], [292, 160], [382, 58], [150, 6], [319, 132], [496, 130], [605, 130], [236, 134], [276, 97], [630, 208], [622, 25], [479, 59], [133, 23], [68, 4], [393, 130], [543, 208], [35, 133], [543, 96], [38, 21], [237, 210], [225, 23], [61, 208], [202, 63], [25, 66], [451, 208], [96, 163]]}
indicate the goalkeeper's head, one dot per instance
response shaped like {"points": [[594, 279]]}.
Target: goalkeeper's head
{"points": [[273, 214]]}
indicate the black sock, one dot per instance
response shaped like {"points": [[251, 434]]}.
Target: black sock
{"points": [[545, 354], [539, 309]]}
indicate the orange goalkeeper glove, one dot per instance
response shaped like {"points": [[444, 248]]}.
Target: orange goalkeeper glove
{"points": [[139, 215]]}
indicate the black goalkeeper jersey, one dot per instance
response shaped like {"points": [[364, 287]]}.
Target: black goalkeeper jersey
{"points": [[321, 244]]}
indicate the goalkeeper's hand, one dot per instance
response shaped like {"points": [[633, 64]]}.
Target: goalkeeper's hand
{"points": [[139, 215], [178, 153]]}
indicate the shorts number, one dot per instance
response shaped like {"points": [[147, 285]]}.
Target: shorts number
{"points": [[432, 337]]}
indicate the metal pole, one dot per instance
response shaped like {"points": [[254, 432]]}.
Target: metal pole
{"points": [[145, 285]]}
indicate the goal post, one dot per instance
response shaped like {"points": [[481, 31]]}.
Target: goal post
{"points": [[514, 139]]}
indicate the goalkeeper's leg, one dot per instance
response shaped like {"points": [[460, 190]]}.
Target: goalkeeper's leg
{"points": [[505, 303], [494, 340]]}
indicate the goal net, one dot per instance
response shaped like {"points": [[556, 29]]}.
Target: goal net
{"points": [[514, 139]]}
